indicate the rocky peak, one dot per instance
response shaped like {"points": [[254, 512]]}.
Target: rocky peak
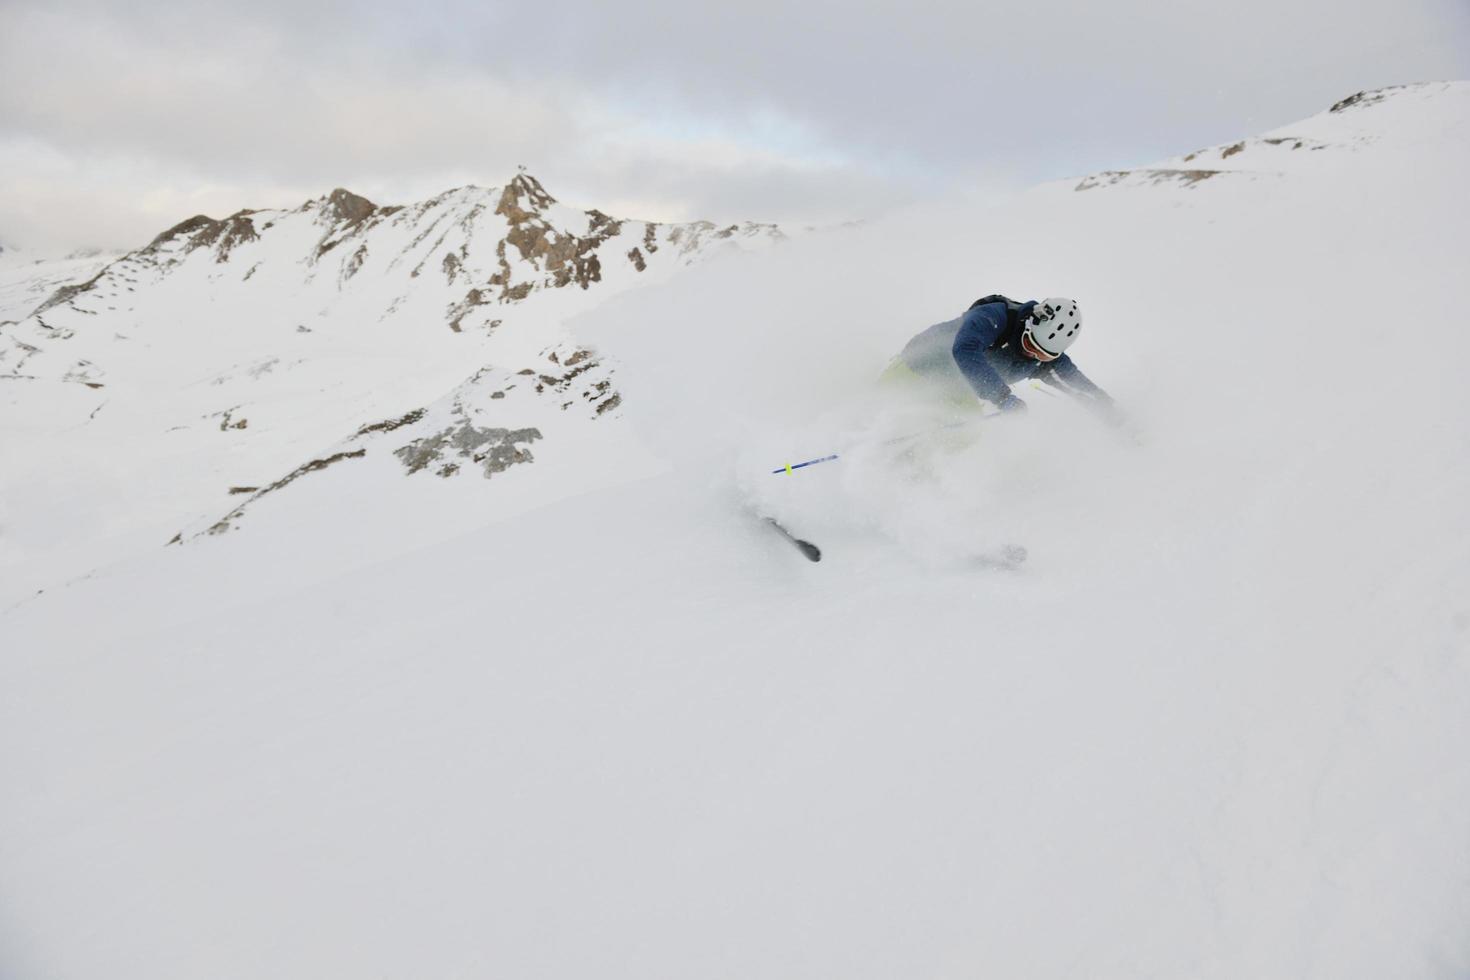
{"points": [[204, 231], [186, 227], [1371, 97], [344, 207], [523, 198]]}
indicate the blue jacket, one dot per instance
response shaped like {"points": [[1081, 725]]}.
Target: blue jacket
{"points": [[985, 345]]}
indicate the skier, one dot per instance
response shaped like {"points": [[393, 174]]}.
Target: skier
{"points": [[996, 343]]}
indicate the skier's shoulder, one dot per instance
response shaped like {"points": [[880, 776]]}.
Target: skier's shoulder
{"points": [[987, 317], [1005, 302]]}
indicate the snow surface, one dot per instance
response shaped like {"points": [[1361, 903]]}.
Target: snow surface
{"points": [[26, 281], [138, 408], [1215, 727]]}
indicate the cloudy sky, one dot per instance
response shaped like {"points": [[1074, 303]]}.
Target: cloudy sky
{"points": [[117, 120]]}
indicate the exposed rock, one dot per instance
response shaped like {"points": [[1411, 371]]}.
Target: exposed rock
{"points": [[495, 449], [1359, 99], [1296, 143], [82, 372], [204, 231], [350, 267], [226, 235], [345, 214], [598, 222], [388, 425], [344, 207], [567, 258], [1107, 178], [523, 199], [65, 295], [458, 311], [186, 227], [226, 523], [579, 363]]}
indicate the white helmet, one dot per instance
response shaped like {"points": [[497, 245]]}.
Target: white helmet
{"points": [[1053, 325]]}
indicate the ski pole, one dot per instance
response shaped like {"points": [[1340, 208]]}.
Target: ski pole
{"points": [[811, 462], [792, 467]]}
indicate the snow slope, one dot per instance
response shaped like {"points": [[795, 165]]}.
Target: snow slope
{"points": [[26, 281], [1214, 728], [140, 402]]}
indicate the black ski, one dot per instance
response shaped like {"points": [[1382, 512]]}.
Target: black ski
{"points": [[812, 552]]}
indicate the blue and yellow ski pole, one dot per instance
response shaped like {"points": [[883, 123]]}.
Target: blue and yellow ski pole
{"points": [[811, 462], [791, 467]]}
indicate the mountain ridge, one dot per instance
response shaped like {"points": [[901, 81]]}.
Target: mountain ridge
{"points": [[250, 342]]}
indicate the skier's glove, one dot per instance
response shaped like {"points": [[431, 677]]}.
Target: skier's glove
{"points": [[1107, 410], [1010, 403]]}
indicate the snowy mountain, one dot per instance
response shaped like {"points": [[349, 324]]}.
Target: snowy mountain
{"points": [[232, 353], [26, 282], [478, 673]]}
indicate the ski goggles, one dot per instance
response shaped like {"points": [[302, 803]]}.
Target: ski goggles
{"points": [[1033, 349]]}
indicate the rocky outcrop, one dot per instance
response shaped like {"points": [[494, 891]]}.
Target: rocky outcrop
{"points": [[227, 522], [1108, 178], [345, 216], [342, 207], [561, 257], [224, 236], [202, 231], [1361, 100], [494, 450]]}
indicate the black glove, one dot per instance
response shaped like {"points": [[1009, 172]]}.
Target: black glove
{"points": [[1010, 403]]}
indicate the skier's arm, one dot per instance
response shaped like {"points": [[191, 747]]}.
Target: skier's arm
{"points": [[978, 330], [1064, 375]]}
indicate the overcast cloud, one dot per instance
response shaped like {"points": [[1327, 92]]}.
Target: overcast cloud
{"points": [[117, 121]]}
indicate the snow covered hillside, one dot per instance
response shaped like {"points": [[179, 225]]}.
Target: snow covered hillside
{"points": [[147, 397], [27, 281], [591, 717]]}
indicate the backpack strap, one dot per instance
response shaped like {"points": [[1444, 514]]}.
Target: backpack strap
{"points": [[1009, 334], [993, 298]]}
